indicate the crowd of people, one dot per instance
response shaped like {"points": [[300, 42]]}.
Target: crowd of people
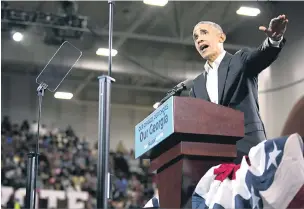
{"points": [[69, 163]]}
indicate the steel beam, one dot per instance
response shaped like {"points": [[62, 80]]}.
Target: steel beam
{"points": [[86, 81], [143, 37], [169, 40], [93, 84], [133, 27], [116, 105]]}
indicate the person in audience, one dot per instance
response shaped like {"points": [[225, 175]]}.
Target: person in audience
{"points": [[120, 163], [34, 127], [69, 131], [25, 127], [67, 163], [6, 125]]}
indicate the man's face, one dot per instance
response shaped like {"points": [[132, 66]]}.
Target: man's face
{"points": [[207, 38]]}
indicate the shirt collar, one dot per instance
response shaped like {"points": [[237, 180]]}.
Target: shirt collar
{"points": [[216, 62]]}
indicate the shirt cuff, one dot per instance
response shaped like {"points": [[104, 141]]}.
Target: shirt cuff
{"points": [[275, 43]]}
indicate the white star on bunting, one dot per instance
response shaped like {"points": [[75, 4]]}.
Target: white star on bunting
{"points": [[272, 156], [255, 199]]}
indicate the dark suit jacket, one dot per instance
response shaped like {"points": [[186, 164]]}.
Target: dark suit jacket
{"points": [[238, 84]]}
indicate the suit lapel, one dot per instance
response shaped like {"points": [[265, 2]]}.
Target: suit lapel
{"points": [[222, 76], [200, 87]]}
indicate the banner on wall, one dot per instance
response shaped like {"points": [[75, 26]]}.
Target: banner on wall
{"points": [[47, 198]]}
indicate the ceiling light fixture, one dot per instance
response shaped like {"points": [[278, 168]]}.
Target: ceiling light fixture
{"points": [[248, 11], [155, 106], [63, 95], [106, 52], [17, 36], [159, 3]]}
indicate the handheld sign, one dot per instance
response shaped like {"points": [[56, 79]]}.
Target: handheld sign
{"points": [[154, 128]]}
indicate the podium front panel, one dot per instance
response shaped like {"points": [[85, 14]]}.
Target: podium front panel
{"points": [[155, 128]]}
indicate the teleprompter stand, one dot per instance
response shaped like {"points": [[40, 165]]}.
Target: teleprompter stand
{"points": [[32, 163]]}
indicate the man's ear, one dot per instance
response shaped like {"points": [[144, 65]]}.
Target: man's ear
{"points": [[222, 37]]}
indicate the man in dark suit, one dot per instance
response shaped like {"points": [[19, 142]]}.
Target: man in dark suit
{"points": [[232, 80]]}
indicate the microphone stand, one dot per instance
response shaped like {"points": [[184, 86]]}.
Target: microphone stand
{"points": [[32, 164], [105, 83], [174, 92]]}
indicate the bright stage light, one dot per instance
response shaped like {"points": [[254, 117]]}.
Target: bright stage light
{"points": [[17, 36], [248, 11], [155, 106], [160, 3], [63, 95], [106, 52]]}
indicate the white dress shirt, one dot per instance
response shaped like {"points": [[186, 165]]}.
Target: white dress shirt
{"points": [[211, 72]]}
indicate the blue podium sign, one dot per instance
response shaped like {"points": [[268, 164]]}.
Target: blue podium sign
{"points": [[154, 128]]}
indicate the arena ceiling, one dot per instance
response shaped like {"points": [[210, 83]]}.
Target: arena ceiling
{"points": [[154, 42]]}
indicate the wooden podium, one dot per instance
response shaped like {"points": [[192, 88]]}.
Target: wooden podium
{"points": [[203, 135]]}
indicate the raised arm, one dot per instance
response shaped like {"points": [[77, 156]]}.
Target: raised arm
{"points": [[259, 59]]}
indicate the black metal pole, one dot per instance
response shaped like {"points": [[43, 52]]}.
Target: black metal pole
{"points": [[105, 83], [32, 166], [30, 184], [111, 2], [103, 141]]}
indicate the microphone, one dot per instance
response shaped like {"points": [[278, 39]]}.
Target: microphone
{"points": [[178, 89], [185, 85]]}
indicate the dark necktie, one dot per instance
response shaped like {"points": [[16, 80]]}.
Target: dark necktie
{"points": [[205, 80]]}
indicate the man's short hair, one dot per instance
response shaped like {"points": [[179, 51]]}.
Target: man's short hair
{"points": [[217, 26]]}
